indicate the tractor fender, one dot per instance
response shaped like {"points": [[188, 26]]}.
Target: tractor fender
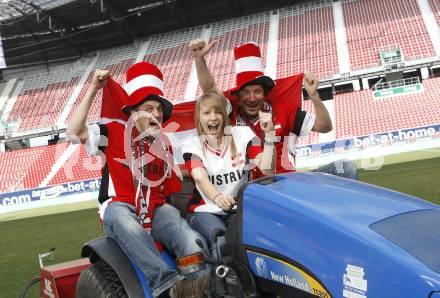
{"points": [[107, 250]]}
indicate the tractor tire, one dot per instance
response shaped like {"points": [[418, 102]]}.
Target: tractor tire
{"points": [[99, 281]]}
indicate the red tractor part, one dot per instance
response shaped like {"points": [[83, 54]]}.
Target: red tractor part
{"points": [[59, 280]]}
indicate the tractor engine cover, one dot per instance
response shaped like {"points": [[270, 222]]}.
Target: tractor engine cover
{"points": [[318, 235]]}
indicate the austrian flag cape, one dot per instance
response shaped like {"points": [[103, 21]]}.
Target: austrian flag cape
{"points": [[287, 92], [117, 160], [117, 181], [114, 98]]}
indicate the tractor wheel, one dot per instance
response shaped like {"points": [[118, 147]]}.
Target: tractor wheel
{"points": [[99, 281]]}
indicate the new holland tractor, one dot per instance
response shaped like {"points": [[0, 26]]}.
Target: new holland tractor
{"points": [[295, 235]]}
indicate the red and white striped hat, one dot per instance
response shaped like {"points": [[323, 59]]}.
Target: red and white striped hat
{"points": [[249, 67], [144, 81]]}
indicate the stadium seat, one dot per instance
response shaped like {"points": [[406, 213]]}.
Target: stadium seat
{"points": [[435, 6], [230, 34], [26, 168], [305, 44], [359, 113], [374, 25], [41, 107], [80, 166], [170, 53], [117, 71]]}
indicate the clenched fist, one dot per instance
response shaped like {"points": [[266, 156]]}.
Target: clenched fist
{"points": [[266, 122], [100, 78], [199, 48], [311, 83]]}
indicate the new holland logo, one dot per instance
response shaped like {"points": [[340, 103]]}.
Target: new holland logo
{"points": [[261, 266], [48, 288]]}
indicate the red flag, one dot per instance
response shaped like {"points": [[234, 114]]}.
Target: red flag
{"points": [[114, 98], [286, 91], [183, 114]]}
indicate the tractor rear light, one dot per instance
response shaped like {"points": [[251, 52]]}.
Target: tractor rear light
{"points": [[191, 263]]}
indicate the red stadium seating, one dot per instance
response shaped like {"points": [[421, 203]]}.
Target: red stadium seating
{"points": [[118, 73], [78, 167], [23, 169], [306, 43], [359, 113], [221, 58], [175, 64], [435, 6], [40, 108], [374, 25]]}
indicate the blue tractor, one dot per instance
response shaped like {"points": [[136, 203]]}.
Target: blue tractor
{"points": [[310, 235]]}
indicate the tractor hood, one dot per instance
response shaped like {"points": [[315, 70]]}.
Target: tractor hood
{"points": [[346, 202], [340, 237]]}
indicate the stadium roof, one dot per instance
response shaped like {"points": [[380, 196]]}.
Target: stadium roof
{"points": [[43, 30], [10, 9]]}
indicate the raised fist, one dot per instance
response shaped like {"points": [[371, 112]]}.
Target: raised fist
{"points": [[199, 48], [100, 78], [311, 83]]}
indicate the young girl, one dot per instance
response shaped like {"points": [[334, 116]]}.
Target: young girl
{"points": [[219, 161]]}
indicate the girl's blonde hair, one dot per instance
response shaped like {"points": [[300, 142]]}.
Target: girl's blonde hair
{"points": [[218, 103]]}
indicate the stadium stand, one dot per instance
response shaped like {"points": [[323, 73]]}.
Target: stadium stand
{"points": [[80, 166], [50, 89], [435, 6], [373, 26], [359, 113], [230, 34], [50, 97], [116, 60], [169, 52], [26, 168], [304, 43]]}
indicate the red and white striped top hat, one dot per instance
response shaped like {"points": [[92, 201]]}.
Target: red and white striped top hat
{"points": [[144, 81], [249, 67]]}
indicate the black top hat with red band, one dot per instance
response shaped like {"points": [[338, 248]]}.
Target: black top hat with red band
{"points": [[144, 81], [249, 67]]}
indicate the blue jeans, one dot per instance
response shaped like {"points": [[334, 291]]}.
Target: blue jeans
{"points": [[343, 168], [122, 225], [206, 223]]}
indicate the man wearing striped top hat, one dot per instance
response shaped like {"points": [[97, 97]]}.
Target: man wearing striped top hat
{"points": [[139, 175], [256, 92]]}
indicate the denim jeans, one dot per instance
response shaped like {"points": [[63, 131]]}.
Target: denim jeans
{"points": [[343, 168], [122, 225], [206, 223]]}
